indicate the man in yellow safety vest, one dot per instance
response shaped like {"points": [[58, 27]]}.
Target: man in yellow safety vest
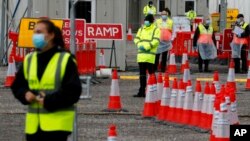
{"points": [[147, 41], [165, 23], [239, 45], [204, 41], [149, 9]]}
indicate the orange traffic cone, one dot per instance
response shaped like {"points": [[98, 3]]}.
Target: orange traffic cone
{"points": [[231, 76], [216, 81], [114, 104], [196, 112], [186, 75], [180, 101], [165, 99], [204, 109], [172, 105], [216, 113], [102, 63], [149, 105], [159, 92], [184, 59], [11, 72], [234, 119], [248, 77], [172, 68], [210, 110], [129, 34], [112, 134], [188, 105], [222, 124]]}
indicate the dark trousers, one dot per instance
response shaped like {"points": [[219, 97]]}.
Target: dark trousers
{"points": [[143, 76], [200, 63], [48, 136], [243, 59], [164, 56]]}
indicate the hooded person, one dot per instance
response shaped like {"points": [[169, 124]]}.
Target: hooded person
{"points": [[146, 41], [149, 9]]}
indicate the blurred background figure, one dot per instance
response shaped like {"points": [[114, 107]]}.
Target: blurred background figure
{"points": [[204, 41], [149, 9], [191, 15], [165, 24]]}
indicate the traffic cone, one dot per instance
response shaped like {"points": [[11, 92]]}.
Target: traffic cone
{"points": [[234, 119], [114, 97], [180, 101], [102, 63], [210, 110], [216, 81], [129, 34], [112, 134], [184, 59], [172, 68], [248, 77], [188, 105], [222, 124], [216, 113], [172, 105], [196, 111], [11, 72], [165, 99], [204, 109], [231, 76], [149, 105], [186, 75], [159, 92]]}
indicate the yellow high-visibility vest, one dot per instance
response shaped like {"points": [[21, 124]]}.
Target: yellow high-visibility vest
{"points": [[149, 10], [59, 120], [205, 35]]}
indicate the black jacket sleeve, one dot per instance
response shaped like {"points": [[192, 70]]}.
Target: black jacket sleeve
{"points": [[196, 36], [70, 89], [246, 33], [20, 86]]}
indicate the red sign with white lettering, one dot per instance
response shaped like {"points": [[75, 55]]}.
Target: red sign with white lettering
{"points": [[79, 31], [104, 31], [227, 39]]}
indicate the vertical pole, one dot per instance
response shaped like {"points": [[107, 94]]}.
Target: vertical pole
{"points": [[2, 32], [223, 15], [30, 7], [72, 28]]}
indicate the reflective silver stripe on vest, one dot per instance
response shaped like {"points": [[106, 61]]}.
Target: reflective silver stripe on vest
{"points": [[42, 110]]}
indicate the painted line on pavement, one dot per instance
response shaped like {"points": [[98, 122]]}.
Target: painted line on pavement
{"points": [[136, 77]]}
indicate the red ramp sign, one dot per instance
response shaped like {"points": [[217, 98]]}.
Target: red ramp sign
{"points": [[104, 31]]}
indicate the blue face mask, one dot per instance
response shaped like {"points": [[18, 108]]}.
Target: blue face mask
{"points": [[147, 23], [164, 17], [39, 41], [208, 22]]}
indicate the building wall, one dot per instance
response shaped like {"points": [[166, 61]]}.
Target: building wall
{"points": [[177, 7]]}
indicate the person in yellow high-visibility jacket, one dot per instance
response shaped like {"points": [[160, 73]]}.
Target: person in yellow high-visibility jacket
{"points": [[191, 15], [147, 41], [149, 9], [240, 44], [165, 23], [48, 82]]}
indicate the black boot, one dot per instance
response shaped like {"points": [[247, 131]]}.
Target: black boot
{"points": [[237, 65], [142, 89]]}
